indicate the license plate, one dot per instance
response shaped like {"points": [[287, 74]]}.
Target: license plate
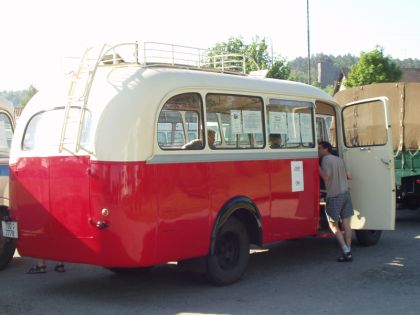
{"points": [[10, 229]]}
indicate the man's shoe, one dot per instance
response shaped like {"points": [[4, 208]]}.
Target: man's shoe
{"points": [[345, 257]]}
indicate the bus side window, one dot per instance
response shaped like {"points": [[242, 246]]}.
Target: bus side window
{"points": [[237, 120], [180, 123], [291, 122]]}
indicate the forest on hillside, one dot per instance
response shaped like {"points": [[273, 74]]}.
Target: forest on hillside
{"points": [[299, 66]]}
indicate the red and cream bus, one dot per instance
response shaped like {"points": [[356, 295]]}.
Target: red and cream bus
{"points": [[119, 173]]}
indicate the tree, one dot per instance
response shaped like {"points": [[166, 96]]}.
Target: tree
{"points": [[373, 67], [20, 97], [27, 95], [256, 55], [279, 70]]}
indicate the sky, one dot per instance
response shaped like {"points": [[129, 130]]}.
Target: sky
{"points": [[37, 35]]}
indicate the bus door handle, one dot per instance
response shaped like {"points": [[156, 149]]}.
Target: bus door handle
{"points": [[365, 149], [385, 161]]}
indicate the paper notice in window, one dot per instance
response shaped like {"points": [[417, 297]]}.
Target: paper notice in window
{"points": [[306, 127], [293, 128], [3, 139], [297, 176], [252, 121], [278, 122], [235, 121]]}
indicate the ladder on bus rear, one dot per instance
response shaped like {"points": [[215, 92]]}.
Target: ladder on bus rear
{"points": [[77, 97]]}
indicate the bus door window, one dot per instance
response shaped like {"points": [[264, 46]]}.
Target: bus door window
{"points": [[239, 120], [291, 123], [364, 125], [326, 125], [180, 123]]}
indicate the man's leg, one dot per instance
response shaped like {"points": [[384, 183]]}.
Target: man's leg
{"points": [[348, 233], [337, 232]]}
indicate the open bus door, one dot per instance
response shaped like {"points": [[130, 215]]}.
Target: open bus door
{"points": [[367, 151]]}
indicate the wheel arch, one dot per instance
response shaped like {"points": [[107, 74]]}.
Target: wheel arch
{"points": [[244, 209]]}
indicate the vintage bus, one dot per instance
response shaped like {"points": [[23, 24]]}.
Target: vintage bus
{"points": [[120, 173], [7, 119]]}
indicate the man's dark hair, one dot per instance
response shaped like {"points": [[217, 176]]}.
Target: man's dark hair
{"points": [[326, 145]]}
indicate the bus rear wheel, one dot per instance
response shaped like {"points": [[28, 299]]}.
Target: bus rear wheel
{"points": [[7, 246], [231, 253], [368, 237]]}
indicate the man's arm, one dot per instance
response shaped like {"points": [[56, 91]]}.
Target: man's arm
{"points": [[323, 175]]}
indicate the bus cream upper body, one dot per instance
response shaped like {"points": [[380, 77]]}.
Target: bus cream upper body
{"points": [[125, 102]]}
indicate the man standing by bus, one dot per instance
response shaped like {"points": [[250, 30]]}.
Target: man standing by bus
{"points": [[339, 207]]}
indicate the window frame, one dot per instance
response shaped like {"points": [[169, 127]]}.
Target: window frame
{"points": [[343, 125], [200, 124], [221, 132], [300, 145]]}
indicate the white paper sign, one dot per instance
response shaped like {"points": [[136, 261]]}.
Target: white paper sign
{"points": [[251, 121], [306, 127], [293, 128], [297, 176], [278, 122], [235, 121]]}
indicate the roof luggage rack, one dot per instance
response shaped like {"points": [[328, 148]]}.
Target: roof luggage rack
{"points": [[152, 54]]}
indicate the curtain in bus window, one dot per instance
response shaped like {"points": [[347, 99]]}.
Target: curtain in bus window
{"points": [[290, 124], [237, 120], [180, 123], [364, 124]]}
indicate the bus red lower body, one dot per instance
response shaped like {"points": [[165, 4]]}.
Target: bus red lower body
{"points": [[137, 214]]}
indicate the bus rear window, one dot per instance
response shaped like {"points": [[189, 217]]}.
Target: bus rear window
{"points": [[44, 129]]}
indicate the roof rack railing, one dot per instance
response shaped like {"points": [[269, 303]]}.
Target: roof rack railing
{"points": [[152, 54], [162, 54]]}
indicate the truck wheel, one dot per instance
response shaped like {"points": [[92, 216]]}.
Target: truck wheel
{"points": [[7, 245], [368, 237], [231, 254]]}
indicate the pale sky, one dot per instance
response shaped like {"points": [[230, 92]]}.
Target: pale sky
{"points": [[37, 34]]}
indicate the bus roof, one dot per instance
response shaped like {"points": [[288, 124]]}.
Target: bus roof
{"points": [[170, 79]]}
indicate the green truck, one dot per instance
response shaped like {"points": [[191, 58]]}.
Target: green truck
{"points": [[404, 99]]}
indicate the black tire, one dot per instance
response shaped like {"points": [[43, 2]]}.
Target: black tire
{"points": [[368, 237], [130, 271], [231, 254], [7, 245]]}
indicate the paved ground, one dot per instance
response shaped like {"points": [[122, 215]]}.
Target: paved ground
{"points": [[298, 277]]}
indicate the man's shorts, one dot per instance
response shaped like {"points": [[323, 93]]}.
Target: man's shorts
{"points": [[338, 207]]}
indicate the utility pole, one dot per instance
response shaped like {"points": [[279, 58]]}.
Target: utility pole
{"points": [[309, 45]]}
